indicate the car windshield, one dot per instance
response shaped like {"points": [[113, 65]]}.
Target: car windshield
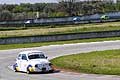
{"points": [[36, 56]]}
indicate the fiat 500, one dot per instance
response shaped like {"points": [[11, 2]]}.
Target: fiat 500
{"points": [[32, 61]]}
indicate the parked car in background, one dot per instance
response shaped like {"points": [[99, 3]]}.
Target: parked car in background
{"points": [[104, 17]]}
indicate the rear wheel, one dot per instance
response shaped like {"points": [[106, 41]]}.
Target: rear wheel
{"points": [[15, 68]]}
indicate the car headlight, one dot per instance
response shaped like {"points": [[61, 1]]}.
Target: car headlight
{"points": [[38, 65]]}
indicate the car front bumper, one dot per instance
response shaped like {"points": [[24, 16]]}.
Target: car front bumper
{"points": [[43, 69]]}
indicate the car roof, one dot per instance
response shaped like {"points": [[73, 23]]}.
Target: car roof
{"points": [[31, 51]]}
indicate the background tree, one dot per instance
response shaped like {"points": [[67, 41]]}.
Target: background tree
{"points": [[6, 15], [63, 8], [68, 6]]}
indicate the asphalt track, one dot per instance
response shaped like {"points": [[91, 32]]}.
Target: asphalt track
{"points": [[7, 57]]}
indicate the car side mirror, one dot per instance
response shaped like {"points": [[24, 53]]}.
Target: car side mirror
{"points": [[17, 58], [46, 57]]}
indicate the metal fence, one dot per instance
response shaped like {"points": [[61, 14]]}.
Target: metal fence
{"points": [[60, 37], [111, 16]]}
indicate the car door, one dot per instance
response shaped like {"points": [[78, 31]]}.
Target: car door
{"points": [[23, 62]]}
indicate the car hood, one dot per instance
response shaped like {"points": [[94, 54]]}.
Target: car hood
{"points": [[38, 61]]}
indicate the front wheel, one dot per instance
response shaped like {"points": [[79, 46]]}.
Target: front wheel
{"points": [[28, 71]]}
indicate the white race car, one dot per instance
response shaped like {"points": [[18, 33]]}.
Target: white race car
{"points": [[32, 61]]}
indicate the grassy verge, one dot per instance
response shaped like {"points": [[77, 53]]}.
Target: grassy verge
{"points": [[32, 31], [27, 45], [102, 62]]}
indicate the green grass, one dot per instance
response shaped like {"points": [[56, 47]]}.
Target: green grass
{"points": [[61, 29], [12, 28], [98, 62], [28, 45]]}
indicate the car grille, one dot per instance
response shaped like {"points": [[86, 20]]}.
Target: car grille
{"points": [[41, 65], [43, 69]]}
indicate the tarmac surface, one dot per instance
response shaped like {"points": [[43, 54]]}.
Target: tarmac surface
{"points": [[7, 58]]}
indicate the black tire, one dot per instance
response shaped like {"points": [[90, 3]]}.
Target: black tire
{"points": [[15, 70], [28, 71]]}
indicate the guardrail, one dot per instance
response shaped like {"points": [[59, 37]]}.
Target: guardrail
{"points": [[94, 18], [60, 37]]}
